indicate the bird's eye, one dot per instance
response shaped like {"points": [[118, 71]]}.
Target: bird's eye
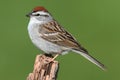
{"points": [[41, 15], [37, 15]]}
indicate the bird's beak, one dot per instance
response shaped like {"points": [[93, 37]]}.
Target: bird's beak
{"points": [[29, 14]]}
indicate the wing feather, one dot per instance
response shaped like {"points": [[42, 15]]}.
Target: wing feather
{"points": [[55, 33]]}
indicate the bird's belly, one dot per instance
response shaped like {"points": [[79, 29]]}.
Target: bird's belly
{"points": [[42, 44], [46, 46]]}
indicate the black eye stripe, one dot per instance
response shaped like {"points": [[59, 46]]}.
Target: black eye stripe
{"points": [[37, 15], [41, 15], [46, 15]]}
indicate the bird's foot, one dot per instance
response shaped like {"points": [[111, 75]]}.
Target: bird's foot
{"points": [[55, 57], [50, 58]]}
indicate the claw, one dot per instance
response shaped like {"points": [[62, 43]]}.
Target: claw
{"points": [[54, 57]]}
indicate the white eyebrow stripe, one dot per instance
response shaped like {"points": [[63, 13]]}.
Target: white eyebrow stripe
{"points": [[42, 13]]}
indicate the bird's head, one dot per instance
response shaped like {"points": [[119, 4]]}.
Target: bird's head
{"points": [[40, 13]]}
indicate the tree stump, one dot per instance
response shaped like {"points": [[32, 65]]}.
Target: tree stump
{"points": [[44, 68]]}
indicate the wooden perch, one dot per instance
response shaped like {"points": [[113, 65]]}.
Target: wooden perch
{"points": [[44, 69]]}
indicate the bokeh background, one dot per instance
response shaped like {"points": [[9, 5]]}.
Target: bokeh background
{"points": [[95, 24]]}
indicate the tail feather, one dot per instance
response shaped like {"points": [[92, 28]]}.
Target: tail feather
{"points": [[91, 59]]}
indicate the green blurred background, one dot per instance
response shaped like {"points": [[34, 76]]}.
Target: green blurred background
{"points": [[95, 24]]}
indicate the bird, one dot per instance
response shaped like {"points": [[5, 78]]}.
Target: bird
{"points": [[50, 37]]}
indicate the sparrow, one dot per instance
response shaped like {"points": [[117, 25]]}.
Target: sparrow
{"points": [[50, 37]]}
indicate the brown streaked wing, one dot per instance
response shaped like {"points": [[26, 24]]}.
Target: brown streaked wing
{"points": [[54, 33]]}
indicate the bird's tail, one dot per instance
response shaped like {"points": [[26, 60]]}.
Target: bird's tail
{"points": [[91, 59]]}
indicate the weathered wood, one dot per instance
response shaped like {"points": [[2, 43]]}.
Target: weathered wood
{"points": [[45, 68]]}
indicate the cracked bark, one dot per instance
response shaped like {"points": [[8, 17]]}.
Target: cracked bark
{"points": [[44, 68]]}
